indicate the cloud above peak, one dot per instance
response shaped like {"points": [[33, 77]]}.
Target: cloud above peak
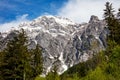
{"points": [[15, 23], [81, 10]]}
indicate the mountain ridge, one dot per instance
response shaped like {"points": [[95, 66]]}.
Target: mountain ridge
{"points": [[64, 42]]}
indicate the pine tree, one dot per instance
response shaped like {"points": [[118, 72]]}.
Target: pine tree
{"points": [[1, 63], [118, 14], [109, 12], [37, 61], [25, 56], [15, 63], [109, 18], [118, 27], [112, 22]]}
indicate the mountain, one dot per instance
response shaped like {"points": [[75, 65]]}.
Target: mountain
{"points": [[64, 43]]}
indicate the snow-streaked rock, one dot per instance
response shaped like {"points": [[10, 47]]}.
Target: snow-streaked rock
{"points": [[64, 42]]}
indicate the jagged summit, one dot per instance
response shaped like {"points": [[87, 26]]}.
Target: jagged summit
{"points": [[58, 19], [52, 25], [93, 18], [49, 19]]}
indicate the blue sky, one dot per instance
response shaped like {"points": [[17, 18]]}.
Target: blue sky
{"points": [[10, 9], [14, 12]]}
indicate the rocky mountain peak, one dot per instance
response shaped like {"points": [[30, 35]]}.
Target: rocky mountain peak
{"points": [[55, 19], [64, 42], [93, 18]]}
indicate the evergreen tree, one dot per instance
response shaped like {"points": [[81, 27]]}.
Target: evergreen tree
{"points": [[1, 63], [15, 63], [37, 61], [109, 17], [118, 14], [108, 12], [118, 27], [112, 23]]}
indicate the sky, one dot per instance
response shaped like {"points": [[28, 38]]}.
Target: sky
{"points": [[14, 12]]}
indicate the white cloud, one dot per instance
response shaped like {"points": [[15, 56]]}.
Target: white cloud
{"points": [[81, 10], [15, 23]]}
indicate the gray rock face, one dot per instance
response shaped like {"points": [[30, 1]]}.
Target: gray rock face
{"points": [[64, 42], [93, 19]]}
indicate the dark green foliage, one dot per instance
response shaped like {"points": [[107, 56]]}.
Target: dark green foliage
{"points": [[109, 18], [16, 59], [1, 63], [37, 61], [15, 63], [109, 12], [114, 31], [113, 23], [118, 14]]}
